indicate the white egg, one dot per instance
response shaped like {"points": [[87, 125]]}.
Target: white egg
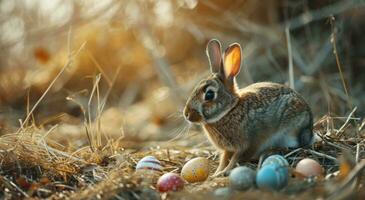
{"points": [[309, 167]]}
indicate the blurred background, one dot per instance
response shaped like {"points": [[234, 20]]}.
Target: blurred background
{"points": [[130, 65]]}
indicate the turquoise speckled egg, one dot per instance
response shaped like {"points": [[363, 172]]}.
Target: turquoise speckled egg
{"points": [[223, 193], [272, 177], [242, 178], [149, 163], [276, 159]]}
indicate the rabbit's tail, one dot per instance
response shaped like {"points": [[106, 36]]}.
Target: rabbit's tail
{"points": [[315, 138]]}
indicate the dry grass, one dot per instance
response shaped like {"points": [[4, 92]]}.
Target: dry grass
{"points": [[41, 167]]}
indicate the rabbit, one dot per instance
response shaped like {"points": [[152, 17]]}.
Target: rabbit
{"points": [[243, 123]]}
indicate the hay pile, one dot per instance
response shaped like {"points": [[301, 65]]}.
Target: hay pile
{"points": [[35, 166]]}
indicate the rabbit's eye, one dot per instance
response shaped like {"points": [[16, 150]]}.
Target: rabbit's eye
{"points": [[209, 95]]}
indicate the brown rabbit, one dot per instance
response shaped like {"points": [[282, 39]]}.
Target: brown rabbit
{"points": [[243, 123]]}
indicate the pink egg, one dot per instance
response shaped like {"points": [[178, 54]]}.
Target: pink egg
{"points": [[170, 182], [309, 167]]}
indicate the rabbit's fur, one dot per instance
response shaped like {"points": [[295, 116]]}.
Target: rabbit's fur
{"points": [[243, 123]]}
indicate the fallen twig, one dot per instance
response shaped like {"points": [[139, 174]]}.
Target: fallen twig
{"points": [[322, 155], [346, 122], [9, 183]]}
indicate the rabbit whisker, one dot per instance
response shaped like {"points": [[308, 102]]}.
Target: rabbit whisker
{"points": [[180, 132]]}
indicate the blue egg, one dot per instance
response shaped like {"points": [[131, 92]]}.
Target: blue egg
{"points": [[242, 178], [272, 177], [223, 193], [276, 159]]}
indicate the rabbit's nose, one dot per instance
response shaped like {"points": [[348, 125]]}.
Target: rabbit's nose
{"points": [[191, 115]]}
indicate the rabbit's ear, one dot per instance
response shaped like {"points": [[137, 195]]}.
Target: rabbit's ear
{"points": [[232, 60], [214, 54]]}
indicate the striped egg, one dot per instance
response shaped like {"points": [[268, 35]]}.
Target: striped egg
{"points": [[276, 159], [196, 170], [149, 163]]}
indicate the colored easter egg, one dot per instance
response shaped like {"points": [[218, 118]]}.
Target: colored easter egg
{"points": [[276, 159], [242, 178], [223, 193], [196, 170], [149, 163], [309, 167], [272, 177], [147, 193], [170, 182]]}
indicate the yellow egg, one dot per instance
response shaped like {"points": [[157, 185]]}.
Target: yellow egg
{"points": [[196, 170]]}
